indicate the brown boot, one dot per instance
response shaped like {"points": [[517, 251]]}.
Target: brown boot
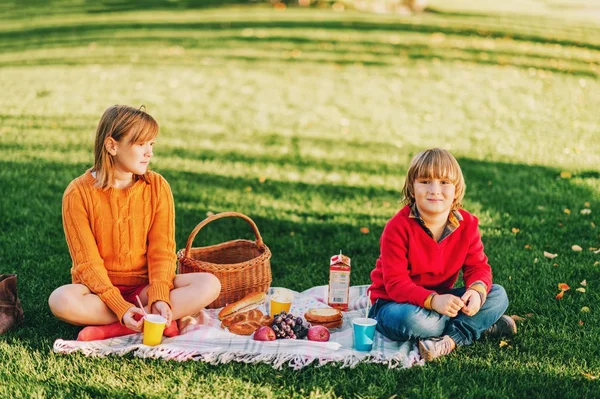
{"points": [[11, 312]]}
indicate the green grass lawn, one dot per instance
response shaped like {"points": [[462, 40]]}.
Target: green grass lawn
{"points": [[306, 120]]}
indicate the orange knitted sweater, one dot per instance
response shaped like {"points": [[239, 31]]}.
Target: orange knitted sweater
{"points": [[121, 237]]}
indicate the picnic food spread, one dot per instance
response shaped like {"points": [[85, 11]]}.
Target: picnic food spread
{"points": [[327, 317]]}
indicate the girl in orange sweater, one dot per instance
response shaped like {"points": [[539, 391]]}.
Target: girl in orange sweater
{"points": [[119, 222]]}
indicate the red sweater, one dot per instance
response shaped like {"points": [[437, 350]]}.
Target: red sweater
{"points": [[412, 265]]}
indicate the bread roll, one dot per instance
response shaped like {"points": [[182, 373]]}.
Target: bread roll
{"points": [[248, 302]]}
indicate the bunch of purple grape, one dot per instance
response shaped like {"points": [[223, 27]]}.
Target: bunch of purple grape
{"points": [[287, 326]]}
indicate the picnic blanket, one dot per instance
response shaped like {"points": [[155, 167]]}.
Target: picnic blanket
{"points": [[203, 339]]}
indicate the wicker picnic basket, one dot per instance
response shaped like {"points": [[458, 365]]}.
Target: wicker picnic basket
{"points": [[242, 266]]}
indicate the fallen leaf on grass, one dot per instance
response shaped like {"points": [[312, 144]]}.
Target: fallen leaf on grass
{"points": [[515, 230], [584, 283], [248, 188], [593, 249], [580, 289], [549, 255], [504, 343], [517, 317], [580, 322], [585, 309], [567, 211], [555, 264], [576, 248], [597, 252], [585, 211], [586, 204], [589, 376], [262, 179], [527, 246], [565, 174], [596, 263], [560, 295], [563, 287], [364, 230]]}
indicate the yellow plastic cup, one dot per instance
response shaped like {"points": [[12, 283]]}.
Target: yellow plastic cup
{"points": [[277, 306], [154, 325]]}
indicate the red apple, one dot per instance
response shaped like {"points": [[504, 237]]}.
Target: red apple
{"points": [[264, 333], [318, 333]]}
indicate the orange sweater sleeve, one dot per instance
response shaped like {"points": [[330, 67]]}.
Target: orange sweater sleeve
{"points": [[162, 256], [88, 265]]}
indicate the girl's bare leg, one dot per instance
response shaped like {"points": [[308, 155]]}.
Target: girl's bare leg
{"points": [[76, 304]]}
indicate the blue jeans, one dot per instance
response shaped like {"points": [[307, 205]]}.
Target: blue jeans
{"points": [[403, 321]]}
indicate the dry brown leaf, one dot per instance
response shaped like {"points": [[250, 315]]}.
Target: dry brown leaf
{"points": [[560, 295], [580, 289], [585, 309], [517, 317], [527, 246], [529, 314], [364, 230], [555, 264], [549, 255], [563, 287], [567, 211], [584, 283], [262, 179], [576, 248], [589, 376], [593, 249], [586, 204], [515, 230]]}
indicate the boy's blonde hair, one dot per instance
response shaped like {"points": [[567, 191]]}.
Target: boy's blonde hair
{"points": [[434, 163], [120, 122]]}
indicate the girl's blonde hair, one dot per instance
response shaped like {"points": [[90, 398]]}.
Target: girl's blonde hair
{"points": [[122, 123], [434, 163]]}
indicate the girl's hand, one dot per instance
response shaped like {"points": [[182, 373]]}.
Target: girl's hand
{"points": [[134, 319], [472, 301], [162, 308], [447, 304]]}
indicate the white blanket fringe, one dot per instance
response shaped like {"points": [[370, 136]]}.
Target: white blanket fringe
{"points": [[204, 340]]}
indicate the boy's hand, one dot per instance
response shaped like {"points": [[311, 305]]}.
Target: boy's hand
{"points": [[162, 308], [472, 301], [134, 318], [447, 304]]}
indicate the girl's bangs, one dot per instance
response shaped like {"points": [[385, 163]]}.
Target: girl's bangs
{"points": [[147, 132]]}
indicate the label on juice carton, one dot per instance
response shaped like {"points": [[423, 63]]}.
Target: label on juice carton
{"points": [[339, 282]]}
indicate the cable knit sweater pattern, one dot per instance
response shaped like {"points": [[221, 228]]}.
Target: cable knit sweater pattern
{"points": [[121, 237], [412, 265]]}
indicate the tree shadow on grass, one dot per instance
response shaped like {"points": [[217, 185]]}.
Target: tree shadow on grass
{"points": [[531, 198]]}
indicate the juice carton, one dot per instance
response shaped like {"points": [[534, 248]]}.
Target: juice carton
{"points": [[339, 282]]}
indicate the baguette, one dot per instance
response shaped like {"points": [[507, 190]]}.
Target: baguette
{"points": [[249, 302]]}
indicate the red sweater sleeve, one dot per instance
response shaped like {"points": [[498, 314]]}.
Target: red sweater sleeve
{"points": [[161, 246], [394, 267], [476, 265]]}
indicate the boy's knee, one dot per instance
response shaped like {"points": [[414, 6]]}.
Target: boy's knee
{"points": [[497, 296]]}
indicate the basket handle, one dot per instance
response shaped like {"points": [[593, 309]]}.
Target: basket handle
{"points": [[188, 246]]}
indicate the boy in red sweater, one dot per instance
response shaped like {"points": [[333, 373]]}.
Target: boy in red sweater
{"points": [[423, 249]]}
